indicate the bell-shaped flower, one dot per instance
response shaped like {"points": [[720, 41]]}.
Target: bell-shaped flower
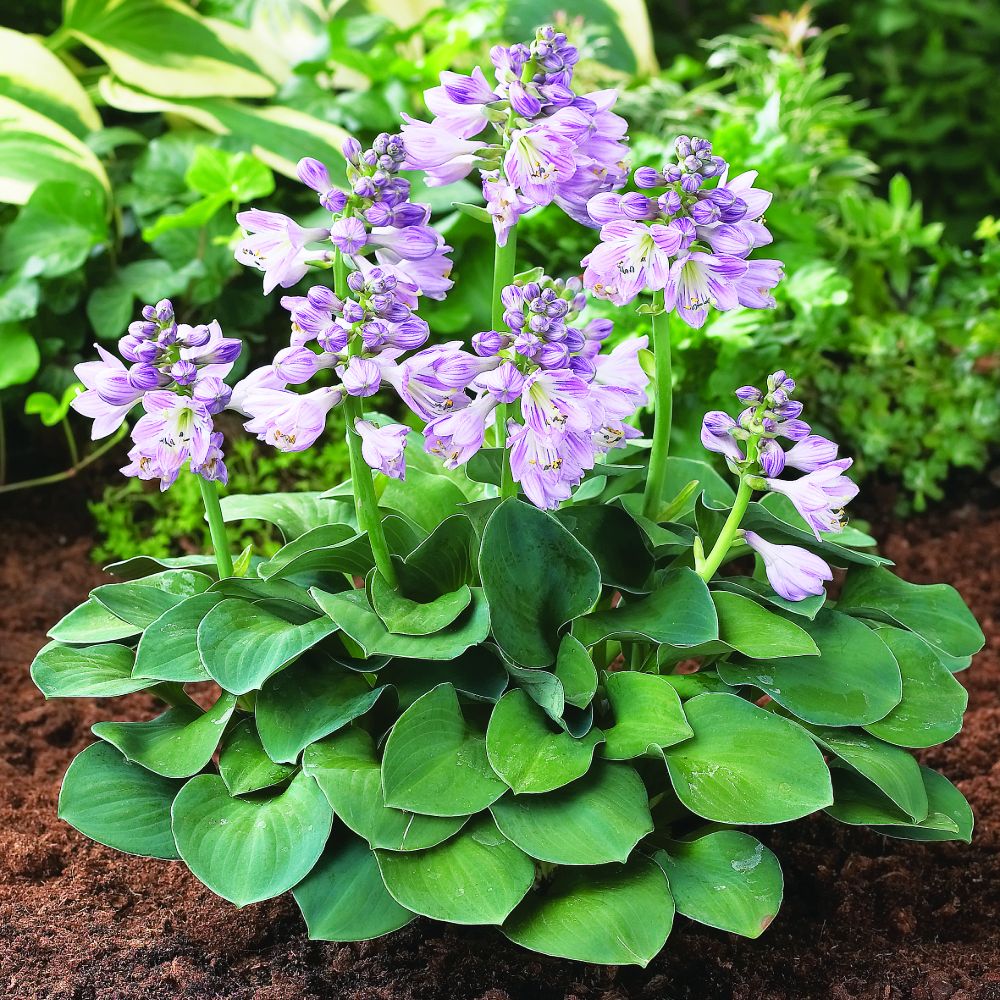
{"points": [[384, 448], [276, 245], [287, 420], [795, 573]]}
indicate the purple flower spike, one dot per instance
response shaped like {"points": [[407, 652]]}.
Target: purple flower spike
{"points": [[362, 377], [384, 448], [457, 436], [794, 573]]}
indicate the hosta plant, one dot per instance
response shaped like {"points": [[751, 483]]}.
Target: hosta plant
{"points": [[524, 669]]}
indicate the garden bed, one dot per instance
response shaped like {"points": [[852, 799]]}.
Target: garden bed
{"points": [[863, 917]]}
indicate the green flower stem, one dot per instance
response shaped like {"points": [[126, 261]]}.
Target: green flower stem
{"points": [[362, 484], [503, 275], [216, 527], [656, 478], [706, 567]]}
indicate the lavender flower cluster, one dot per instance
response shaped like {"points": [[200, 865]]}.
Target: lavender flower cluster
{"points": [[177, 372], [552, 144], [690, 240], [751, 446]]}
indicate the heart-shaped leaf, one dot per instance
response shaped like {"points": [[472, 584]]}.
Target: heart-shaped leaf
{"points": [[855, 679], [529, 753], [244, 765], [933, 700], [309, 700], [435, 763], [86, 671], [246, 850], [402, 616], [344, 899], [119, 804], [176, 744], [349, 772], [611, 915], [168, 649], [679, 612], [91, 622], [597, 819], [936, 612], [647, 712], [242, 644], [537, 577], [477, 877], [726, 879], [746, 765], [442, 562]]}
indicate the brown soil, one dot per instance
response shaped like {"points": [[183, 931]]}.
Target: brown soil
{"points": [[864, 916]]}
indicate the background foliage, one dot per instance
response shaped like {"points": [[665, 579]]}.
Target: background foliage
{"points": [[122, 161]]}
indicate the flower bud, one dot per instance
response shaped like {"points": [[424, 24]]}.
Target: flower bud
{"points": [[647, 177], [772, 458]]}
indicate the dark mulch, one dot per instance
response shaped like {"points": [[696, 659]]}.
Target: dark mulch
{"points": [[864, 916]]}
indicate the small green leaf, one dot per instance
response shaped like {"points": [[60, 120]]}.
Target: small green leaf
{"points": [[307, 701], [20, 355], [330, 548], [176, 744], [237, 177], [91, 622], [349, 772], [293, 514], [758, 633], [244, 765], [854, 681], [859, 803], [86, 672], [476, 212], [528, 753], [477, 877], [611, 915], [168, 649], [141, 602], [242, 644], [745, 765], [679, 612], [536, 578], [648, 715], [933, 700], [246, 850], [424, 498], [402, 616], [726, 879], [49, 409], [344, 899], [597, 819], [576, 672], [936, 612], [119, 804], [435, 763], [749, 587]]}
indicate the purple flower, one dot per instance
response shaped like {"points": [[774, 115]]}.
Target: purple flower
{"points": [[715, 435], [537, 160], [505, 205], [362, 377], [384, 448], [771, 457], [276, 245], [456, 436], [504, 383], [174, 429], [349, 235], [430, 145], [811, 453], [472, 89], [548, 466], [286, 420], [212, 468], [554, 402], [107, 417], [819, 496], [212, 393], [630, 257], [794, 573]]}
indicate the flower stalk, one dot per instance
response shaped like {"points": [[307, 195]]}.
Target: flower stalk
{"points": [[662, 411], [216, 527], [504, 261]]}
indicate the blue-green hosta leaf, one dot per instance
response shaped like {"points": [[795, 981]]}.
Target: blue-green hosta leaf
{"points": [[749, 587], [344, 898], [477, 673], [476, 877], [758, 633], [859, 803], [425, 498], [435, 762], [647, 713], [141, 602], [309, 700], [245, 766], [332, 548], [537, 578], [443, 562], [354, 615], [119, 804], [933, 700], [86, 671], [293, 514], [168, 649], [91, 622], [241, 645], [854, 681], [246, 850], [610, 915], [611, 535], [576, 672], [140, 566], [402, 616], [936, 612], [725, 879], [176, 744], [679, 612], [350, 774], [594, 820], [746, 765], [529, 753]]}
